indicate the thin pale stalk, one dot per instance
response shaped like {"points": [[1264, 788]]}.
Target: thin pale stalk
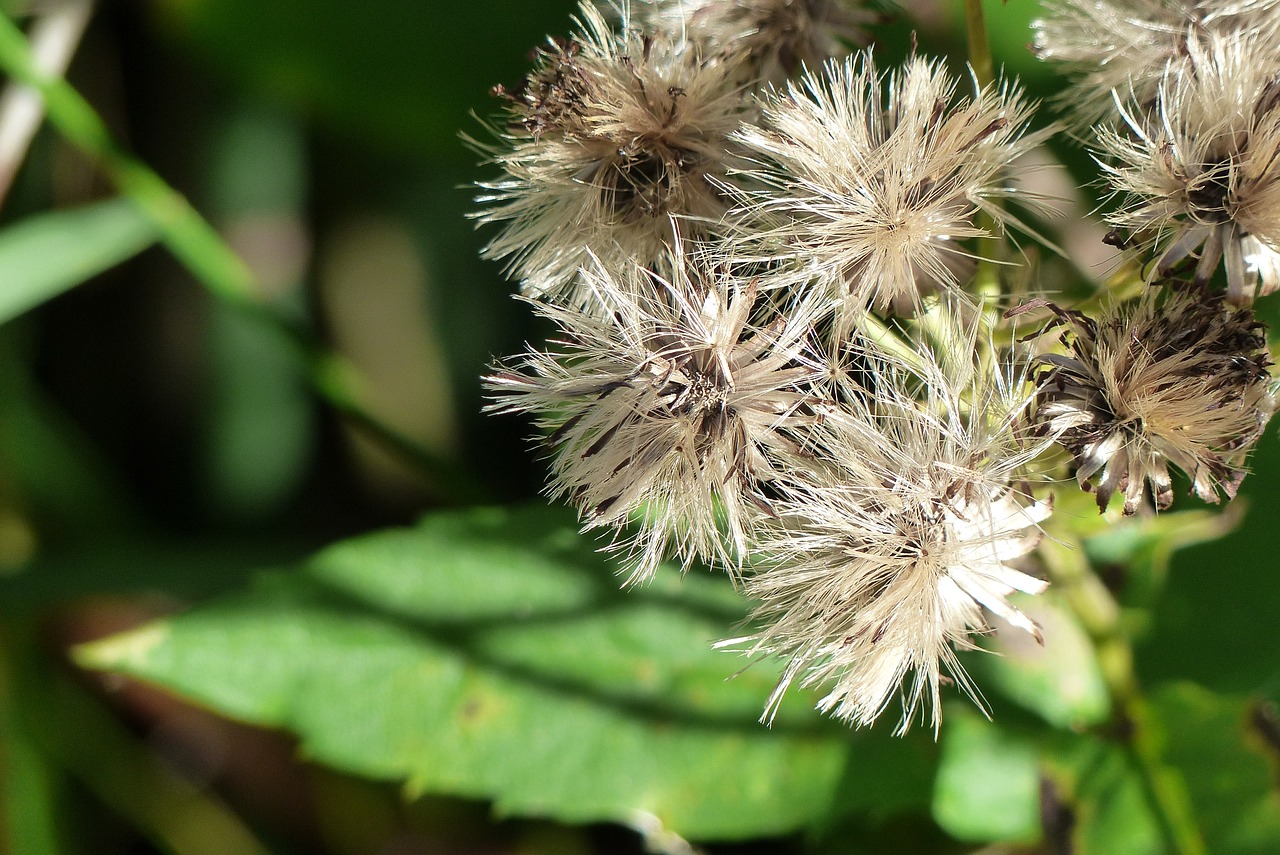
{"points": [[54, 38], [987, 275], [1099, 615], [887, 338], [979, 45], [199, 247]]}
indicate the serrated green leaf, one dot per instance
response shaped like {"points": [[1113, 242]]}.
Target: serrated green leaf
{"points": [[988, 784], [45, 255], [891, 778], [489, 654]]}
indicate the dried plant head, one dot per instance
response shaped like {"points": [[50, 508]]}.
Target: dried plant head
{"points": [[896, 537], [1177, 379], [769, 40], [1200, 172], [872, 182], [1127, 46], [666, 408], [611, 136]]}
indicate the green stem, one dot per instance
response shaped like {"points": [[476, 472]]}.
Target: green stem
{"points": [[199, 247], [979, 45], [987, 276], [75, 734], [888, 338], [1099, 615]]}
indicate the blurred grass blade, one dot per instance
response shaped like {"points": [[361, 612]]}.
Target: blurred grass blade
{"points": [[78, 734], [199, 247], [28, 797], [29, 800], [43, 256]]}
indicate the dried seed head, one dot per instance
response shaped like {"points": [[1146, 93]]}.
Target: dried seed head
{"points": [[666, 409], [890, 544], [1201, 170], [611, 136], [769, 40], [1129, 46], [872, 181], [1179, 381]]}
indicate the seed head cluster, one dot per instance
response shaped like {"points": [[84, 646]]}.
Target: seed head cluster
{"points": [[870, 183], [772, 353], [1200, 172], [1125, 48], [667, 404], [1181, 381], [1185, 98], [768, 40], [886, 558], [611, 135]]}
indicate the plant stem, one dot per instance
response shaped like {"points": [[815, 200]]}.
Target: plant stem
{"points": [[987, 276], [74, 733], [888, 338], [199, 247], [979, 46], [1099, 615]]}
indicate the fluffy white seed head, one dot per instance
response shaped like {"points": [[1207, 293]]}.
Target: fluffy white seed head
{"points": [[768, 40], [1200, 171], [1127, 46], [611, 136], [666, 409], [897, 537], [873, 181], [1175, 380]]}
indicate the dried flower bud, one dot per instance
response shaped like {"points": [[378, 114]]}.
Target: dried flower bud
{"points": [[611, 136], [890, 544], [664, 408], [1178, 381]]}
